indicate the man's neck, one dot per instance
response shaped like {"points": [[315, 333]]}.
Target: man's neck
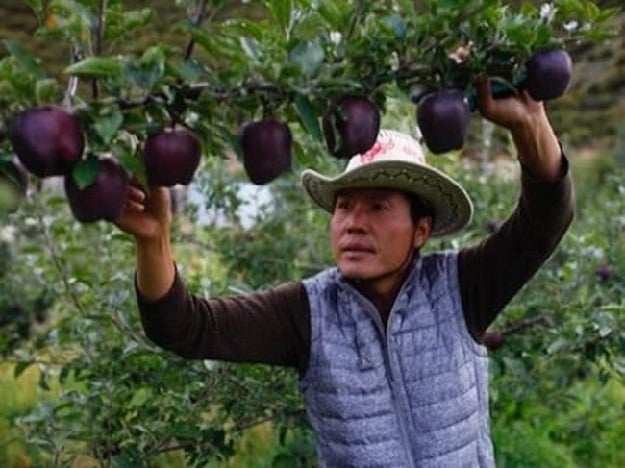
{"points": [[382, 292]]}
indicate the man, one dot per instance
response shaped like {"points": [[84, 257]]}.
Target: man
{"points": [[388, 344]]}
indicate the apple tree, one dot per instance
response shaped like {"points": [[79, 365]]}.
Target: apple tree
{"points": [[231, 100]]}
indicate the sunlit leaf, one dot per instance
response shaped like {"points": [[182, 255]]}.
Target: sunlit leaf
{"points": [[95, 67], [106, 125], [25, 58]]}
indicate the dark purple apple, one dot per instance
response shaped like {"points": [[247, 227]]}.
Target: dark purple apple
{"points": [[443, 118], [171, 157], [604, 273], [104, 198], [548, 74], [47, 140], [493, 341], [13, 184], [350, 126], [266, 146]]}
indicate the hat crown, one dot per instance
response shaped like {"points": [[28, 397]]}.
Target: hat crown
{"points": [[390, 146]]}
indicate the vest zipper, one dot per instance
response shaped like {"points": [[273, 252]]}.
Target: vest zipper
{"points": [[397, 399], [399, 402]]}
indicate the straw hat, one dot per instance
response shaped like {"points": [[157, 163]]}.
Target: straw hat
{"points": [[396, 161]]}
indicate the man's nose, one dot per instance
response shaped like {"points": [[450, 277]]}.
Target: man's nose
{"points": [[356, 220]]}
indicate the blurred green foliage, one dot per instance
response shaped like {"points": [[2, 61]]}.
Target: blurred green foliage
{"points": [[98, 390]]}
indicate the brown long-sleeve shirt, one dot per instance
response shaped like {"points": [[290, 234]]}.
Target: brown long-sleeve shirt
{"points": [[273, 326]]}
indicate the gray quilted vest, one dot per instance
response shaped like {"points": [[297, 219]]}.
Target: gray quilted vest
{"points": [[413, 395]]}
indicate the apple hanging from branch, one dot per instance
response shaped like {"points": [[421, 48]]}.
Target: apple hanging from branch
{"points": [[443, 118], [350, 126], [267, 149], [104, 196], [47, 140], [171, 157]]}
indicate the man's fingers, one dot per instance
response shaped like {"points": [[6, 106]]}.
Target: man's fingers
{"points": [[135, 194], [134, 206]]}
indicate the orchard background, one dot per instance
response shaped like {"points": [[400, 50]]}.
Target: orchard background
{"points": [[79, 383]]}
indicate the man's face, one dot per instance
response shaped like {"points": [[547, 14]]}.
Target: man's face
{"points": [[372, 233]]}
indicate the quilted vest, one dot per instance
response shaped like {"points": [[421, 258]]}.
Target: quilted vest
{"points": [[411, 394]]}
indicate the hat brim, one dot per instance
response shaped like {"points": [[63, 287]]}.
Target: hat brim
{"points": [[451, 204]]}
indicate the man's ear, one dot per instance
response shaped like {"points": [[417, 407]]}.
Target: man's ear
{"points": [[423, 231]]}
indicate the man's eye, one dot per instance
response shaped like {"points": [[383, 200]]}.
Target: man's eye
{"points": [[381, 206], [341, 205]]}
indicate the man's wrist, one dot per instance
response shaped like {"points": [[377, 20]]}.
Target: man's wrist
{"points": [[538, 148]]}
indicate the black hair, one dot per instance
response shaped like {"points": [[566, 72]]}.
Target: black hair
{"points": [[419, 208]]}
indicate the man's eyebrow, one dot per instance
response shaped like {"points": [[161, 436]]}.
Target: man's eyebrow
{"points": [[372, 194], [378, 194]]}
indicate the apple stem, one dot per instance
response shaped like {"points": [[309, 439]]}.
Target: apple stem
{"points": [[70, 92]]}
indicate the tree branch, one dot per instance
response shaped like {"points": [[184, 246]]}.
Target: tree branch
{"points": [[522, 325], [99, 43], [197, 18]]}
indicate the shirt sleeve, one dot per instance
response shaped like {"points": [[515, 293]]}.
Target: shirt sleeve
{"points": [[271, 326], [491, 272]]}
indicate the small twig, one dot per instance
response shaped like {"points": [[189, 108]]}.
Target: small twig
{"points": [[524, 324], [198, 17], [595, 340], [270, 417], [99, 43], [56, 257]]}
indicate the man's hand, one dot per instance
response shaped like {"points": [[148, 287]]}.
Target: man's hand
{"points": [[537, 145], [147, 218]]}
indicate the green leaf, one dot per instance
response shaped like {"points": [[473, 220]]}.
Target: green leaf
{"points": [[48, 91], [281, 10], [234, 141], [131, 162], [43, 382], [557, 345], [25, 58], [331, 12], [95, 67], [128, 458], [148, 70], [251, 48], [309, 55], [136, 19], [85, 172], [107, 125], [20, 367], [308, 116], [188, 71]]}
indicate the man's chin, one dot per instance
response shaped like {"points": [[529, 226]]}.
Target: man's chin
{"points": [[355, 274]]}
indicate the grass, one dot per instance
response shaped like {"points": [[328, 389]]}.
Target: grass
{"points": [[17, 397]]}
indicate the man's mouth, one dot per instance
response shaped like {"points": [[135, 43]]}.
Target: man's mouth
{"points": [[357, 248]]}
